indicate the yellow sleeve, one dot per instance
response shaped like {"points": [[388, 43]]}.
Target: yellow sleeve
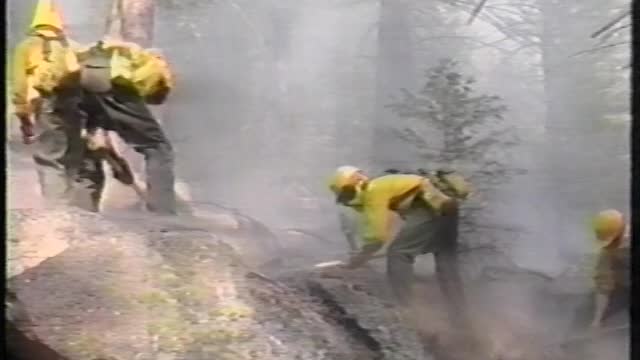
{"points": [[19, 77], [376, 222]]}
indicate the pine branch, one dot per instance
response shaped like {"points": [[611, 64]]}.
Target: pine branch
{"points": [[611, 33], [466, 38], [476, 11], [507, 29], [518, 5], [596, 49], [611, 24]]}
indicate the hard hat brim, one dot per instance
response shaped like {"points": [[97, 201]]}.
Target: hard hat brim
{"points": [[601, 244]]}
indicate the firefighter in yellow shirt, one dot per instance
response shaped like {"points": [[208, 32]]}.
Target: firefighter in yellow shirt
{"points": [[612, 271], [430, 226], [46, 98], [119, 80]]}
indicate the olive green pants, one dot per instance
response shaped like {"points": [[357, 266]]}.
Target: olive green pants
{"points": [[66, 175], [421, 234], [128, 115]]}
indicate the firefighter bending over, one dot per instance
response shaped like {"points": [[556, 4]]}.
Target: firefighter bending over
{"points": [[118, 80], [430, 226]]}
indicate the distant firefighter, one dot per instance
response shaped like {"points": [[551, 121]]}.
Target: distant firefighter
{"points": [[612, 272]]}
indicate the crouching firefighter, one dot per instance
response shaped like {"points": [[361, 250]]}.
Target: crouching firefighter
{"points": [[46, 98], [119, 79], [612, 272], [430, 226]]}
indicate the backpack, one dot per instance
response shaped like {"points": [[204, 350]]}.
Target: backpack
{"points": [[131, 68], [95, 74], [56, 65], [449, 182]]}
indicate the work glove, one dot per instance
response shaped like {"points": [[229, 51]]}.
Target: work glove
{"points": [[361, 257], [26, 128]]}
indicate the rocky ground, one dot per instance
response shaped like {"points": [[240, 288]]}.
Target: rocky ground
{"points": [[126, 285], [153, 292], [220, 285]]}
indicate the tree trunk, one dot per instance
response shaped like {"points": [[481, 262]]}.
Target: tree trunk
{"points": [[395, 70], [132, 20], [137, 23]]}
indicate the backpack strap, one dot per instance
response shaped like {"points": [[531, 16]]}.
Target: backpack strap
{"points": [[396, 201], [46, 45]]}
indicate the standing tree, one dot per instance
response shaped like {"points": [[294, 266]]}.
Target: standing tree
{"points": [[134, 19], [473, 133], [451, 125], [394, 70]]}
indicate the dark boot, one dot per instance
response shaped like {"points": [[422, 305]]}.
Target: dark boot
{"points": [[416, 237]]}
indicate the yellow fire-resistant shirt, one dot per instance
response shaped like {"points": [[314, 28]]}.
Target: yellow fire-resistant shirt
{"points": [[133, 66], [386, 194], [147, 71], [23, 64]]}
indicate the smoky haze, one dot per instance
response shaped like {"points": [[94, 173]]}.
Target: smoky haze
{"points": [[272, 95]]}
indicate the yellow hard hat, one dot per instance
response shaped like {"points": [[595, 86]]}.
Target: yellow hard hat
{"points": [[342, 177], [608, 225], [47, 14]]}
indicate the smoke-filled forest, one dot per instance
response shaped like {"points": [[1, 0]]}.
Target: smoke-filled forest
{"points": [[527, 99]]}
